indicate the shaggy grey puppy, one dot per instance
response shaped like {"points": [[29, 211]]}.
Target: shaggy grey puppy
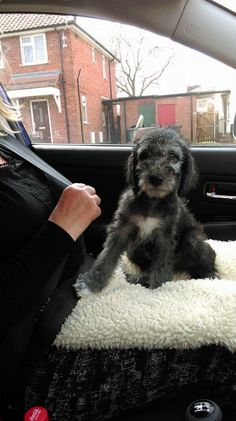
{"points": [[152, 223]]}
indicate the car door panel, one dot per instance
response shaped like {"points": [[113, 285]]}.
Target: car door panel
{"points": [[103, 166]]}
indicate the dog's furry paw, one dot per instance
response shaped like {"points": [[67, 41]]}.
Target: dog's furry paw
{"points": [[137, 279], [81, 286], [88, 283]]}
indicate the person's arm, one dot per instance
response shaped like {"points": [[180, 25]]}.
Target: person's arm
{"points": [[24, 274], [77, 208]]}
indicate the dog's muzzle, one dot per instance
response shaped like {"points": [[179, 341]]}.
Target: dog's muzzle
{"points": [[156, 180]]}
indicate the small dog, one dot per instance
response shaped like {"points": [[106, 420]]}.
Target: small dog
{"points": [[152, 223]]}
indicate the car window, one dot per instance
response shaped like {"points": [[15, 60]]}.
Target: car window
{"points": [[228, 4], [84, 81]]}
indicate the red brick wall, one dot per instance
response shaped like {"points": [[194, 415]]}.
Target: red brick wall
{"points": [[92, 85], [182, 112], [130, 108], [185, 107], [69, 60]]}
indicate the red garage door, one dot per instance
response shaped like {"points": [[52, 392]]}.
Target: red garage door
{"points": [[166, 114]]}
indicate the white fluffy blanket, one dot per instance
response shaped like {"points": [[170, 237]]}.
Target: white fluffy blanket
{"points": [[179, 314]]}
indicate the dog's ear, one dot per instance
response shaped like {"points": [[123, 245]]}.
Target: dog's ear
{"points": [[131, 174], [189, 173], [177, 128]]}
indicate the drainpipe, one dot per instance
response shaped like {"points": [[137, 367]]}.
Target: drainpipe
{"points": [[111, 116], [64, 88], [191, 117], [110, 83], [80, 107], [125, 120]]}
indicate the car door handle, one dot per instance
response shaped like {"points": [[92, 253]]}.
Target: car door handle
{"points": [[220, 196], [225, 191]]}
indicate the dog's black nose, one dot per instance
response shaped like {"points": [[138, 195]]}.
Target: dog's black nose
{"points": [[156, 180]]}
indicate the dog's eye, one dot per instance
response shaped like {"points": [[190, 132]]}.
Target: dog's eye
{"points": [[143, 155], [173, 157]]}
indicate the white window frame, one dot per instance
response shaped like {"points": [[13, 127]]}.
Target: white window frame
{"points": [[32, 43], [103, 119], [100, 136], [84, 109], [104, 67], [92, 137], [93, 54]]}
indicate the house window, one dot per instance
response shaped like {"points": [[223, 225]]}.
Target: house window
{"points": [[93, 55], [100, 137], [104, 67], [227, 110], [84, 109], [33, 49], [92, 137], [103, 119]]}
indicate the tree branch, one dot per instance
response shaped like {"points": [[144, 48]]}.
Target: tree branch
{"points": [[133, 76]]}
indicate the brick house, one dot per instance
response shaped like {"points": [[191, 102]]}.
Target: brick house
{"points": [[59, 75], [203, 116]]}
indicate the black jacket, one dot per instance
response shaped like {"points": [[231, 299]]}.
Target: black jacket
{"points": [[39, 264]]}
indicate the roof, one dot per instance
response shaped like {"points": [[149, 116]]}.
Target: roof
{"points": [[30, 85], [14, 22], [174, 95], [33, 80], [11, 23]]}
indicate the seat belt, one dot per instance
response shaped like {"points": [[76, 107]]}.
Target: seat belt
{"points": [[20, 149]]}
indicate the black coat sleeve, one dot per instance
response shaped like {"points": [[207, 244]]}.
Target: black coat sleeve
{"points": [[24, 274]]}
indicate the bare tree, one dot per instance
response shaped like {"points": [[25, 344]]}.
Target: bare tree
{"points": [[141, 65]]}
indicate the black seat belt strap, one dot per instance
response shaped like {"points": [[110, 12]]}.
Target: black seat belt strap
{"points": [[20, 149]]}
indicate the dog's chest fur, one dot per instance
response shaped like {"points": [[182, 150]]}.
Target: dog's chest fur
{"points": [[147, 225]]}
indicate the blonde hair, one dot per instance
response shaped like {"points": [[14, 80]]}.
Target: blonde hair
{"points": [[8, 112]]}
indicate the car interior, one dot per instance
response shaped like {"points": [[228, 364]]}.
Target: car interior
{"points": [[204, 26]]}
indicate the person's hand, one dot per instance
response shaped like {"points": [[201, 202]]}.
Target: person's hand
{"points": [[77, 207]]}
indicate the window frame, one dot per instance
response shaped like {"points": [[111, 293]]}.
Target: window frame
{"points": [[35, 61], [84, 109], [104, 67], [94, 55]]}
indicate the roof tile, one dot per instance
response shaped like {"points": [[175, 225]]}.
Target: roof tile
{"points": [[14, 22]]}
